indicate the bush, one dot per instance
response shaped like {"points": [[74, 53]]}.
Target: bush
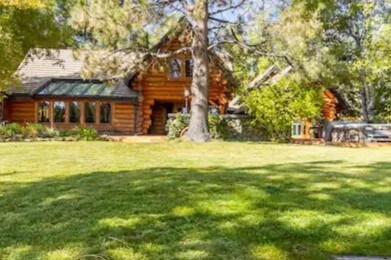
{"points": [[68, 133], [276, 107], [38, 131], [10, 132], [13, 128], [86, 134], [218, 127], [177, 125], [15, 132]]}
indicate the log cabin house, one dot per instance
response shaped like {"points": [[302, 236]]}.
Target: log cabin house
{"points": [[54, 93]]}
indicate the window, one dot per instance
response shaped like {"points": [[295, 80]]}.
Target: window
{"points": [[90, 114], [297, 129], [59, 111], [43, 112], [105, 113], [189, 68], [74, 112], [175, 68]]}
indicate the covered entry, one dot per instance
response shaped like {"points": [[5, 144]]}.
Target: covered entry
{"points": [[160, 111]]}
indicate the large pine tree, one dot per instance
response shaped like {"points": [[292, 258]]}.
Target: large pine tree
{"points": [[130, 26]]}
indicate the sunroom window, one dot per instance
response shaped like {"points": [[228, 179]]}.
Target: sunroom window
{"points": [[43, 112], [90, 115], [74, 112], [105, 113], [59, 111]]}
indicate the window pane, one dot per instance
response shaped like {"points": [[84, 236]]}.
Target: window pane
{"points": [[175, 68], [64, 88], [189, 68], [74, 112], [43, 112], [90, 112], [94, 90], [105, 113], [59, 112]]}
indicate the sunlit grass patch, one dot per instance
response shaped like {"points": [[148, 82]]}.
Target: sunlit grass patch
{"points": [[192, 201]]}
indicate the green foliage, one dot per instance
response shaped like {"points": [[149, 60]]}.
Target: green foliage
{"points": [[218, 127], [177, 125], [32, 131], [277, 106], [68, 132], [30, 24], [16, 132], [13, 128], [86, 134]]}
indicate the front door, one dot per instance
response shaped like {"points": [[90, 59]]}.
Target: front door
{"points": [[160, 113]]}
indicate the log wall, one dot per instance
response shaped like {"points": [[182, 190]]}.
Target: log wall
{"points": [[155, 85], [26, 111], [20, 111]]}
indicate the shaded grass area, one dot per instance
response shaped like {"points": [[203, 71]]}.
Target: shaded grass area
{"points": [[192, 201]]}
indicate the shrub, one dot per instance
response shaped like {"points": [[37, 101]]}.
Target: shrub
{"points": [[68, 133], [218, 127], [276, 107], [86, 134], [15, 132], [38, 131], [177, 125], [10, 132], [13, 128]]}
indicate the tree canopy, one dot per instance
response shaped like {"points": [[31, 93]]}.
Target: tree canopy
{"points": [[30, 24]]}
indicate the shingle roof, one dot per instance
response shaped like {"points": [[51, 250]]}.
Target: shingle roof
{"points": [[41, 63], [43, 66]]}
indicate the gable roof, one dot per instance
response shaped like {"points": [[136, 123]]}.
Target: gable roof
{"points": [[41, 66]]}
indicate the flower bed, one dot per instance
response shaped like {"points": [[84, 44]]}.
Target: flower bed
{"points": [[37, 132]]}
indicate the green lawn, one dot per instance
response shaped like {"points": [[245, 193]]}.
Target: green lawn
{"points": [[104, 200]]}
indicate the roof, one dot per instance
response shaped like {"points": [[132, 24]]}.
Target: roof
{"points": [[85, 89], [43, 68], [44, 63]]}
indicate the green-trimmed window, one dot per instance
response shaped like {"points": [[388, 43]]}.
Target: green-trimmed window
{"points": [[105, 113], [74, 112], [90, 112], [59, 111], [43, 112]]}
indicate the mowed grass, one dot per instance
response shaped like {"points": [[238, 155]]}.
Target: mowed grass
{"points": [[219, 200]]}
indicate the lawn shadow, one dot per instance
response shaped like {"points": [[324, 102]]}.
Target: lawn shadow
{"points": [[291, 210]]}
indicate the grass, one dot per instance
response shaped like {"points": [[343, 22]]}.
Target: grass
{"points": [[104, 200]]}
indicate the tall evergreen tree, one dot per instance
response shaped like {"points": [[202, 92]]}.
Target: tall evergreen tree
{"points": [[129, 26]]}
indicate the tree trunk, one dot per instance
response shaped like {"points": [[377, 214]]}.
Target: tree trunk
{"points": [[198, 128], [367, 99]]}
